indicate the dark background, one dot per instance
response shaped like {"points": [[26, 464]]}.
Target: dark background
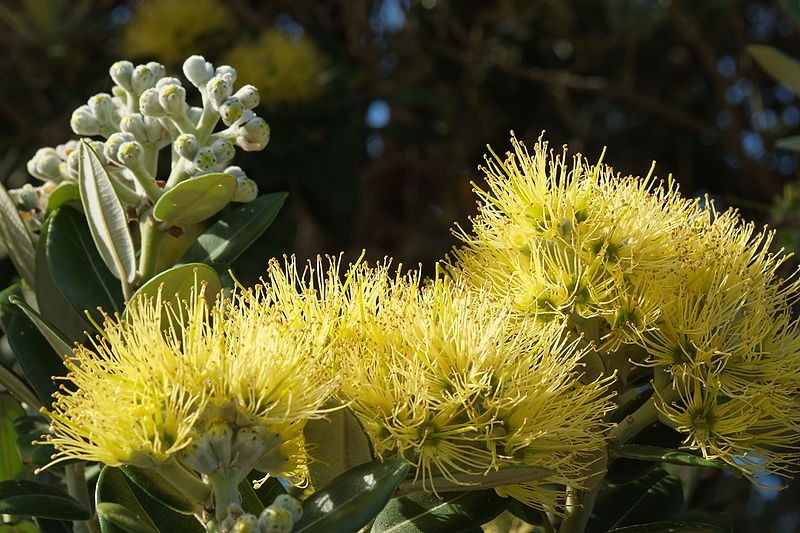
{"points": [[381, 112]]}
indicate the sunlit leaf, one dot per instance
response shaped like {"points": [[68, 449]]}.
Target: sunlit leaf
{"points": [[122, 518], [780, 66], [195, 199], [63, 193]]}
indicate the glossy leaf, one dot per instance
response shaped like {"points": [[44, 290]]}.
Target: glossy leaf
{"points": [[353, 499], [195, 199], [77, 267], [495, 478], [16, 238], [778, 65], [340, 444], [107, 220], [454, 512], [669, 455], [657, 495], [178, 281], [122, 518], [255, 500], [18, 387], [54, 338], [63, 193], [679, 526], [159, 489], [30, 498], [235, 231], [10, 460]]}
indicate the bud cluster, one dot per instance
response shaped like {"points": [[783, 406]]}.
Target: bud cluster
{"points": [[278, 517]]}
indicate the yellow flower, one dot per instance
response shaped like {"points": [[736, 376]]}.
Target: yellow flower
{"points": [[286, 70], [451, 380], [172, 30]]}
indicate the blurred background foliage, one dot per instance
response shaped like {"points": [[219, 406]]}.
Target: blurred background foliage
{"points": [[381, 111]]}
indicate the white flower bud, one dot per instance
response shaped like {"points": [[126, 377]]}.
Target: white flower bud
{"points": [[275, 520], [157, 69], [186, 146], [26, 197], [204, 160], [219, 435], [130, 154], [226, 72], [149, 104], [121, 72], [99, 148], [235, 171], [63, 150], [248, 95], [246, 190], [231, 110], [163, 82], [45, 165], [142, 79], [253, 135], [83, 121], [218, 90], [198, 71], [102, 106], [147, 130], [247, 523], [173, 99], [293, 505], [223, 150], [113, 144], [199, 456], [73, 163]]}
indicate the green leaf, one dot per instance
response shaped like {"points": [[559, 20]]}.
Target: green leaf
{"points": [[681, 526], [455, 512], [527, 514], [340, 444], [255, 500], [64, 193], [511, 475], [353, 499], [16, 238], [54, 338], [159, 489], [195, 199], [793, 8], [35, 454], [30, 498], [669, 455], [235, 231], [23, 526], [106, 217], [178, 281], [10, 460], [114, 487], [781, 67], [122, 517], [791, 143], [77, 267], [657, 495]]}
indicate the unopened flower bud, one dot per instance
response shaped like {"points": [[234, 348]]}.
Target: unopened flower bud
{"points": [[99, 148], [275, 520], [142, 79], [157, 69], [149, 104], [114, 142], [204, 160], [223, 150], [231, 110], [83, 121], [246, 190], [248, 95], [247, 523], [26, 197], [45, 165], [73, 164], [130, 154], [173, 99], [121, 72], [293, 505], [218, 90], [219, 435], [163, 82], [199, 456], [226, 72], [186, 146], [103, 108], [253, 135], [248, 446], [198, 71], [145, 129]]}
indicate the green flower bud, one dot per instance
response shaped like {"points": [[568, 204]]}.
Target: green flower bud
{"points": [[83, 122], [231, 110], [130, 154], [199, 456], [173, 99], [142, 79], [113, 144], [248, 446], [103, 108], [198, 71], [275, 520], [248, 95], [253, 135], [186, 146], [219, 435], [121, 72], [218, 89], [204, 160], [293, 505], [149, 104], [45, 165], [247, 523], [223, 150]]}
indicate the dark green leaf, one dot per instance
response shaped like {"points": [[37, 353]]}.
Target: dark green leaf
{"points": [[159, 489], [235, 231], [30, 498], [195, 199], [454, 512], [669, 455], [657, 495], [121, 517], [780, 66], [65, 192], [16, 238], [340, 444], [681, 526], [35, 454], [511, 475], [10, 460], [77, 266], [255, 500], [353, 499], [54, 338], [527, 514]]}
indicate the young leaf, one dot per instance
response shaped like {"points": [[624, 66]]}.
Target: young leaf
{"points": [[353, 499], [195, 199], [106, 217], [235, 231], [10, 460], [65, 192], [16, 238], [122, 517], [779, 66], [30, 498], [452, 512]]}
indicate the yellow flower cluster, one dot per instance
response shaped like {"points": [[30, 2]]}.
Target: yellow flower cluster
{"points": [[654, 279]]}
